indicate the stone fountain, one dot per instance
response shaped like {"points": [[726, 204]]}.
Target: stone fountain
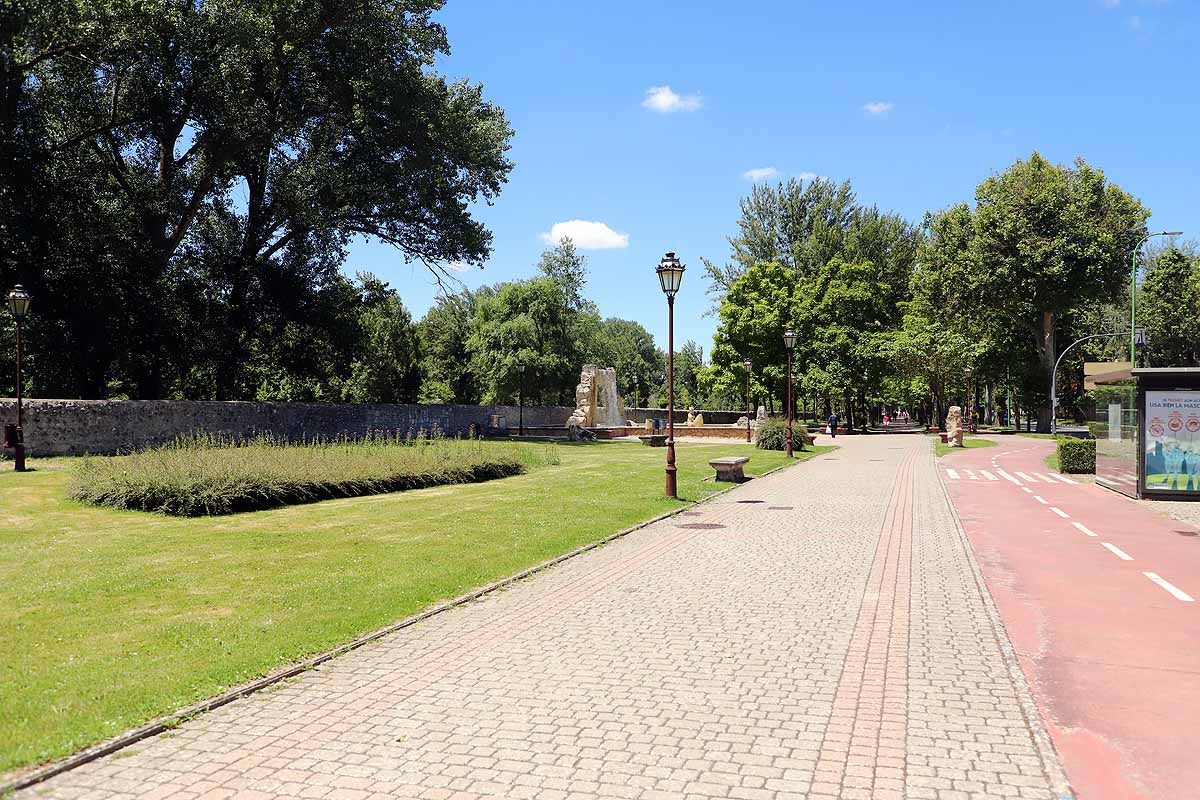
{"points": [[598, 404]]}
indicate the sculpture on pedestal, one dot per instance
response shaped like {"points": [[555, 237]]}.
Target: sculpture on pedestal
{"points": [[954, 429]]}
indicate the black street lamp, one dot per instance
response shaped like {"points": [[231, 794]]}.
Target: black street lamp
{"points": [[19, 302], [521, 398], [789, 341], [968, 372], [749, 410], [670, 276]]}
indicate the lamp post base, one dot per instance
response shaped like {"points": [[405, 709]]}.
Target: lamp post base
{"points": [[672, 486], [19, 457]]}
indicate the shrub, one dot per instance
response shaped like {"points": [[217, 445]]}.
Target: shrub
{"points": [[1076, 455], [771, 435], [207, 475]]}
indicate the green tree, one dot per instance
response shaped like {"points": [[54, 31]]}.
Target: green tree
{"points": [[799, 226], [567, 267], [1169, 310], [227, 150], [447, 374], [529, 322], [755, 311], [1050, 239], [629, 348], [387, 369]]}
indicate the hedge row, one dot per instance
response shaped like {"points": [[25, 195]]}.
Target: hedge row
{"points": [[203, 476], [1076, 455]]}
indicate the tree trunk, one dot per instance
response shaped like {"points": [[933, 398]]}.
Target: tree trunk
{"points": [[1046, 355]]}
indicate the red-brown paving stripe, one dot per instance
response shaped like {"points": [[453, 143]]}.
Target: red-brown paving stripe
{"points": [[866, 732]]}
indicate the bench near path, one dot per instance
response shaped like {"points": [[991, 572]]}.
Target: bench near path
{"points": [[817, 633]]}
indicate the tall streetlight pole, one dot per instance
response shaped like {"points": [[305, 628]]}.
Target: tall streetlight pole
{"points": [[19, 302], [789, 341], [1133, 292], [748, 364], [670, 276], [1054, 373], [968, 373], [521, 398]]}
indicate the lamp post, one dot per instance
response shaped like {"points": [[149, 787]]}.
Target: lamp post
{"points": [[521, 398], [19, 302], [670, 276], [789, 341], [749, 410], [968, 372], [1133, 291], [1137, 333]]}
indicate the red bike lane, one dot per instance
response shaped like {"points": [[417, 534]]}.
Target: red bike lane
{"points": [[1101, 600]]}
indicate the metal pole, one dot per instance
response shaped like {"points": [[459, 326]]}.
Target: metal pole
{"points": [[521, 402], [1054, 375], [1133, 303], [749, 409], [789, 406], [672, 488], [19, 445]]}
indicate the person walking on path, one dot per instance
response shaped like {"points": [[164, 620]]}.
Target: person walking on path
{"points": [[833, 423]]}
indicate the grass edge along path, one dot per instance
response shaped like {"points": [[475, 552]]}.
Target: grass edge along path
{"points": [[84, 728], [969, 442]]}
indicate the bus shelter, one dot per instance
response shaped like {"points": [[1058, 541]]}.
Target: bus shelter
{"points": [[1148, 441]]}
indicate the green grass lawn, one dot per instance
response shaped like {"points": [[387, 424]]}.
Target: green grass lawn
{"points": [[968, 443], [110, 618]]}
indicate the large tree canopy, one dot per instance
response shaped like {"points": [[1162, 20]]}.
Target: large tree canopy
{"points": [[200, 159]]}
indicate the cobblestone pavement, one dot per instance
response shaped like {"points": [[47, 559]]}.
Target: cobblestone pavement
{"points": [[818, 633]]}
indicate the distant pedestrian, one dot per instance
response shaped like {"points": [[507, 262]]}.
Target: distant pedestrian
{"points": [[887, 418], [832, 425]]}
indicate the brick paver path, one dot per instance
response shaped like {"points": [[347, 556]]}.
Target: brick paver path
{"points": [[818, 633]]}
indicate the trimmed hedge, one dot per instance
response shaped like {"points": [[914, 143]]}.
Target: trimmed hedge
{"points": [[771, 435], [1076, 455], [204, 476]]}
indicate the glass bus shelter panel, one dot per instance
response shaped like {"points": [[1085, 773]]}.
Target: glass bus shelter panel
{"points": [[1172, 441], [1116, 439]]}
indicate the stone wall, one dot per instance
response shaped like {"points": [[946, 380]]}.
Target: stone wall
{"points": [[74, 427]]}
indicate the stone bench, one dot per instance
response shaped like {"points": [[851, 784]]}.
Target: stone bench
{"points": [[654, 440], [729, 468]]}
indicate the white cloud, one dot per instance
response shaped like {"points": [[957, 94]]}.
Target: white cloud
{"points": [[879, 107], [665, 101], [586, 235], [809, 176], [458, 266], [1135, 23], [1112, 3], [760, 174]]}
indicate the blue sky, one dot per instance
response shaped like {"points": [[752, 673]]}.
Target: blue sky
{"points": [[913, 103]]}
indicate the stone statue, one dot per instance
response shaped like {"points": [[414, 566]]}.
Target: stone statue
{"points": [[761, 417], [954, 429], [597, 401]]}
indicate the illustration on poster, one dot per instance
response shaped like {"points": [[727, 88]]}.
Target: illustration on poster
{"points": [[1172, 441]]}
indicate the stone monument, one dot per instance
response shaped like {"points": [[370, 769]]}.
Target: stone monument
{"points": [[597, 401], [954, 429], [695, 419], [761, 417]]}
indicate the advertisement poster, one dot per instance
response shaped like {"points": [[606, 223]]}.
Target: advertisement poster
{"points": [[1172, 438]]}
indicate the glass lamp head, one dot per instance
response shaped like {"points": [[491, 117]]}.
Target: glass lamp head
{"points": [[670, 274], [19, 302]]}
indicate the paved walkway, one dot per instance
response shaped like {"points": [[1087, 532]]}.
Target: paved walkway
{"points": [[819, 633], [1098, 593]]}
